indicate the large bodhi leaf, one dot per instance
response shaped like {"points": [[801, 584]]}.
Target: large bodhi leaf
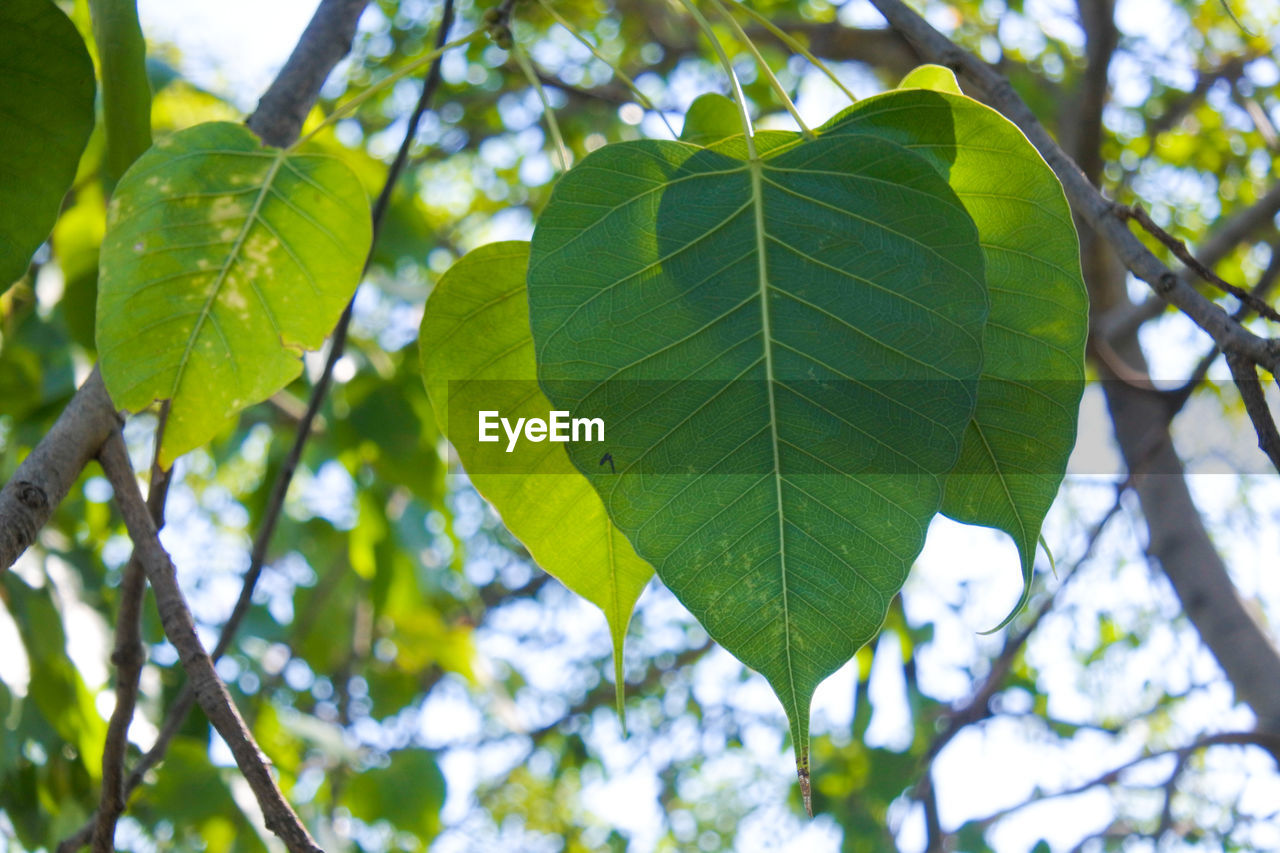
{"points": [[1016, 448], [223, 260], [477, 355], [46, 109], [786, 353]]}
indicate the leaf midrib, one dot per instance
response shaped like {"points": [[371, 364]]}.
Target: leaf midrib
{"points": [[225, 270], [755, 168]]}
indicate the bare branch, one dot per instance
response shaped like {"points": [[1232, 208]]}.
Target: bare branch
{"points": [[1182, 253], [327, 38], [180, 629], [1229, 234], [1246, 379], [128, 657], [1264, 740]]}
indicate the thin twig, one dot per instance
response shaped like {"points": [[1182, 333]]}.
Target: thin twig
{"points": [[1182, 253], [186, 698], [1179, 396], [977, 707], [1255, 403], [180, 629], [1171, 787], [1096, 210], [1264, 740], [128, 657]]}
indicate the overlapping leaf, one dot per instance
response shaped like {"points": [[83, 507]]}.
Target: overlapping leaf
{"points": [[223, 260], [1015, 450], [786, 354], [477, 355], [46, 110]]}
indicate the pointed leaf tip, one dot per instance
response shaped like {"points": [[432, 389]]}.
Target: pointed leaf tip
{"points": [[806, 791], [477, 354]]}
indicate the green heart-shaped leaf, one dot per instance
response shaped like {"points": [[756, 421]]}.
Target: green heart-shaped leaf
{"points": [[1016, 449], [46, 107], [786, 355], [223, 260], [477, 355]]}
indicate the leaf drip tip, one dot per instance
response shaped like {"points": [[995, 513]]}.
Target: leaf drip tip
{"points": [[806, 793]]}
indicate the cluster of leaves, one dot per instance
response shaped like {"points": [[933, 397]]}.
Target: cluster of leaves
{"points": [[381, 429], [222, 260], [894, 333]]}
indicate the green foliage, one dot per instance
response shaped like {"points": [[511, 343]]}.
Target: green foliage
{"points": [[408, 792], [477, 354], [47, 107], [711, 307], [1015, 449], [227, 259], [754, 335]]}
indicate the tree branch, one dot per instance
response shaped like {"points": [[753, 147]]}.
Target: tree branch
{"points": [[1246, 379], [1178, 540], [1096, 210], [1229, 234], [1182, 253], [978, 706], [1267, 741], [128, 657], [44, 477], [284, 106], [182, 705], [180, 629]]}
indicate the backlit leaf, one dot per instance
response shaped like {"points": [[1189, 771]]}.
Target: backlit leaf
{"points": [[223, 260], [786, 354], [477, 354], [1016, 449], [711, 118]]}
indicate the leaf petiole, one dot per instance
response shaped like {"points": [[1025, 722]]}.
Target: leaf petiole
{"points": [[791, 42], [552, 126], [748, 132], [774, 82], [622, 75]]}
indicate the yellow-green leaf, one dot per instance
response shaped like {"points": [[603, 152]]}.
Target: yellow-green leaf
{"points": [[223, 261], [477, 354]]}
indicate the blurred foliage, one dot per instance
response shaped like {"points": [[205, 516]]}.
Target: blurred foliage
{"points": [[410, 673]]}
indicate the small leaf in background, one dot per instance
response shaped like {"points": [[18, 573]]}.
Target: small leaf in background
{"points": [[936, 78], [46, 107], [223, 260], [786, 353], [1015, 450], [56, 689], [711, 118], [408, 792], [477, 354]]}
